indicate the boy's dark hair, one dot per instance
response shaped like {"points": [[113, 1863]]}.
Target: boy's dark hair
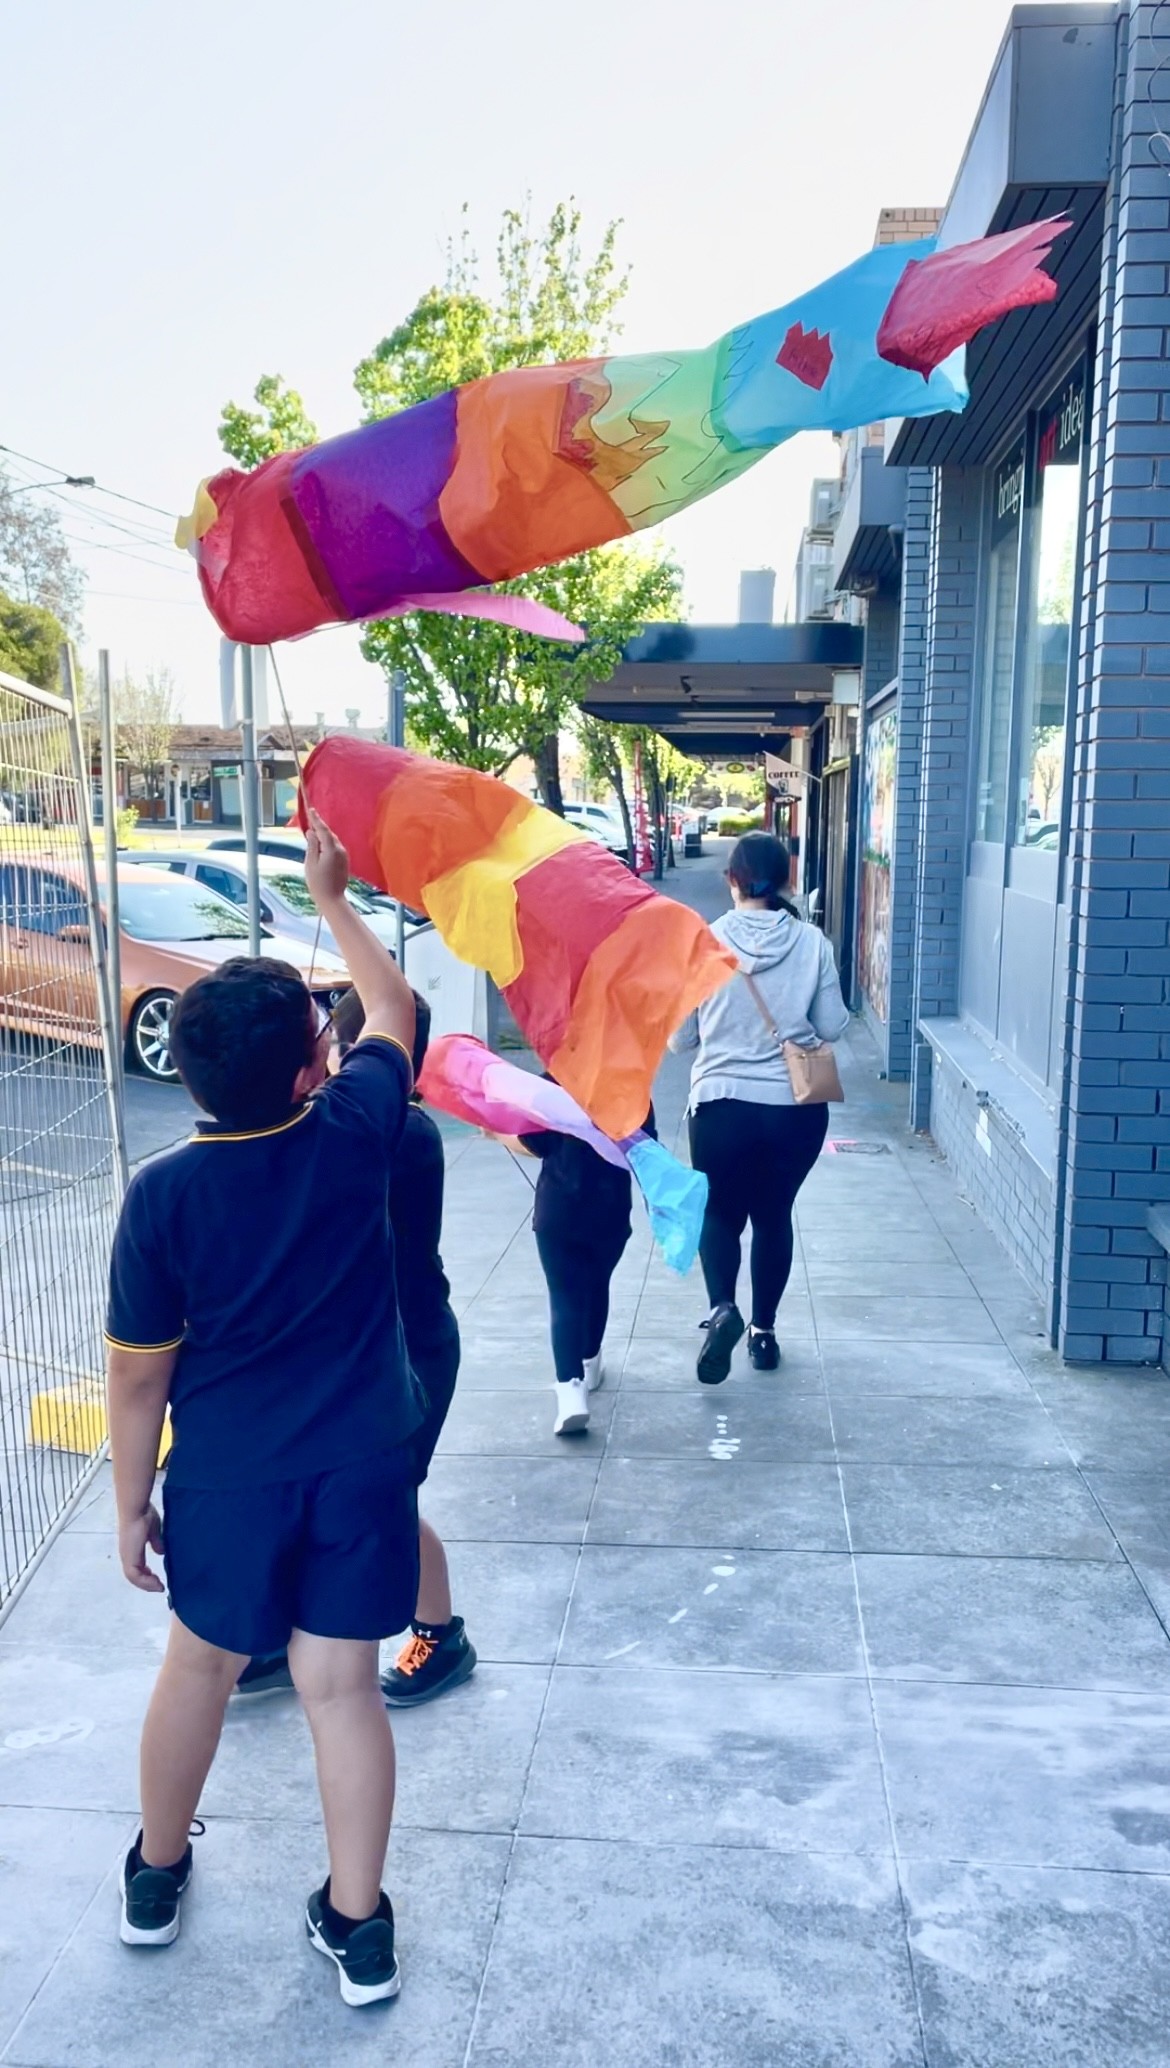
{"points": [[759, 868], [350, 1015], [240, 1035]]}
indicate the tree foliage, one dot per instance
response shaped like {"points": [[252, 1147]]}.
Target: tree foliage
{"points": [[278, 423], [146, 712], [30, 643], [478, 692], [36, 566]]}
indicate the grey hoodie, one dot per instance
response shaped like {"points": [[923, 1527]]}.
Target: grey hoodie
{"points": [[793, 968]]}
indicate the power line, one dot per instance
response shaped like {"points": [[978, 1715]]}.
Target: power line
{"points": [[115, 492], [100, 546], [134, 596], [144, 537]]}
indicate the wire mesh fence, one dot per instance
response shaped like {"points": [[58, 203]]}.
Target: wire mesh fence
{"points": [[60, 1160]]}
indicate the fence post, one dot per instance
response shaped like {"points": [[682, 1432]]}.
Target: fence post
{"points": [[110, 832], [109, 1024]]}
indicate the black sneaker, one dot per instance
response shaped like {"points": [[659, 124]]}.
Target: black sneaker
{"points": [[428, 1666], [763, 1349], [724, 1329], [267, 1674], [366, 1963], [150, 1899]]}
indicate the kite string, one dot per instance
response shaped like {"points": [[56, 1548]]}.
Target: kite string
{"points": [[292, 742]]}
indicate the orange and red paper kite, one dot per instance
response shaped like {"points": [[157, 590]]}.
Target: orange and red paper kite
{"points": [[596, 968]]}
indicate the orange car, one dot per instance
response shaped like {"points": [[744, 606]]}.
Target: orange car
{"points": [[171, 931]]}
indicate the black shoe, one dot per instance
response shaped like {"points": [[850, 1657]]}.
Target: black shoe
{"points": [[150, 1899], [724, 1329], [267, 1674], [366, 1963], [763, 1349], [428, 1666]]}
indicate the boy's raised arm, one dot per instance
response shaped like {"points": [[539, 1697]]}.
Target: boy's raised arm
{"points": [[380, 984]]}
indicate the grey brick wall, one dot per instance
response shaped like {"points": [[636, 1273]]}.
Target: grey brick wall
{"points": [[881, 642], [1116, 1107], [946, 740], [1004, 1184], [911, 672]]}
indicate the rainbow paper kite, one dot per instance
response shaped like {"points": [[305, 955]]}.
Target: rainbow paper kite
{"points": [[464, 1078], [596, 968], [510, 473]]}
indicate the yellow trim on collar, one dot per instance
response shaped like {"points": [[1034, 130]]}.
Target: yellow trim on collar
{"points": [[255, 1134], [377, 1035]]}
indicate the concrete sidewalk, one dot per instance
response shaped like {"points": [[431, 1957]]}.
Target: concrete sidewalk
{"points": [[823, 1719]]}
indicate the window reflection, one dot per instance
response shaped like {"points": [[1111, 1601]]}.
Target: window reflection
{"points": [[995, 717], [1048, 629]]}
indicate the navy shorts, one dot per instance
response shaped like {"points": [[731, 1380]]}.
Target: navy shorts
{"points": [[335, 1556], [436, 1371]]}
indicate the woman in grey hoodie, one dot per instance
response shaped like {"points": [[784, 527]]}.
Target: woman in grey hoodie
{"points": [[749, 1136]]}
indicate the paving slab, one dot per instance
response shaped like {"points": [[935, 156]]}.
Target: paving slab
{"points": [[1032, 1968], [782, 1611], [708, 1758], [976, 1511], [806, 1963], [1034, 1776], [762, 1507], [1049, 1622]]}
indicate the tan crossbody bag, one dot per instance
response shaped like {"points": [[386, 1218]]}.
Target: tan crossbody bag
{"points": [[812, 1071]]}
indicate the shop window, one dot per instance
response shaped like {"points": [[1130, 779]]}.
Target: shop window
{"points": [[1007, 502], [1043, 700]]}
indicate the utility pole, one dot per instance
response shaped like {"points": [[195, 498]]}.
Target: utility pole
{"points": [[396, 734], [250, 798], [109, 765]]}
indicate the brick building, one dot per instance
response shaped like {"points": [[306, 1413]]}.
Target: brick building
{"points": [[1012, 845]]}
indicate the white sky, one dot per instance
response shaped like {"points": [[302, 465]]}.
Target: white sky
{"points": [[198, 195]]}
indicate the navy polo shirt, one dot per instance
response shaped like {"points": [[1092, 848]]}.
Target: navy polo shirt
{"points": [[267, 1260]]}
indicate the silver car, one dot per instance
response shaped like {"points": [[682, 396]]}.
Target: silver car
{"points": [[285, 903]]}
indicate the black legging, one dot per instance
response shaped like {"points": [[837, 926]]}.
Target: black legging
{"points": [[756, 1158], [578, 1300]]}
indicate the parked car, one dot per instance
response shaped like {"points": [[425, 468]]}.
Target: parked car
{"points": [[289, 846], [447, 984], [285, 902], [22, 806], [601, 824], [171, 932]]}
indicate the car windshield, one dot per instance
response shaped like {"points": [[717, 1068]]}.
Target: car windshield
{"points": [[295, 892], [178, 910]]}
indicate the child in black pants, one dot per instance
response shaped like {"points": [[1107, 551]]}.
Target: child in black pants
{"points": [[581, 1221], [438, 1654]]}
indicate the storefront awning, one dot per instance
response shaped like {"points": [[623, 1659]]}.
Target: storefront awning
{"points": [[1040, 147], [724, 689]]}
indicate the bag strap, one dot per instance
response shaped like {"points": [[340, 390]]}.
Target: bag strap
{"points": [[762, 1008]]}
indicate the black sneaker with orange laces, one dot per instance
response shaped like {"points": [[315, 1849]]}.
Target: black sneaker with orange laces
{"points": [[429, 1663]]}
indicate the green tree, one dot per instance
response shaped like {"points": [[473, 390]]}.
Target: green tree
{"points": [[30, 643], [36, 566], [479, 692], [610, 752], [146, 713], [277, 424]]}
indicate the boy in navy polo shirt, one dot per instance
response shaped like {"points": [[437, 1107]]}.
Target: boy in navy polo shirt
{"points": [[252, 1288], [438, 1654]]}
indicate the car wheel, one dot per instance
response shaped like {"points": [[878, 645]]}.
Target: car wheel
{"points": [[150, 1036]]}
